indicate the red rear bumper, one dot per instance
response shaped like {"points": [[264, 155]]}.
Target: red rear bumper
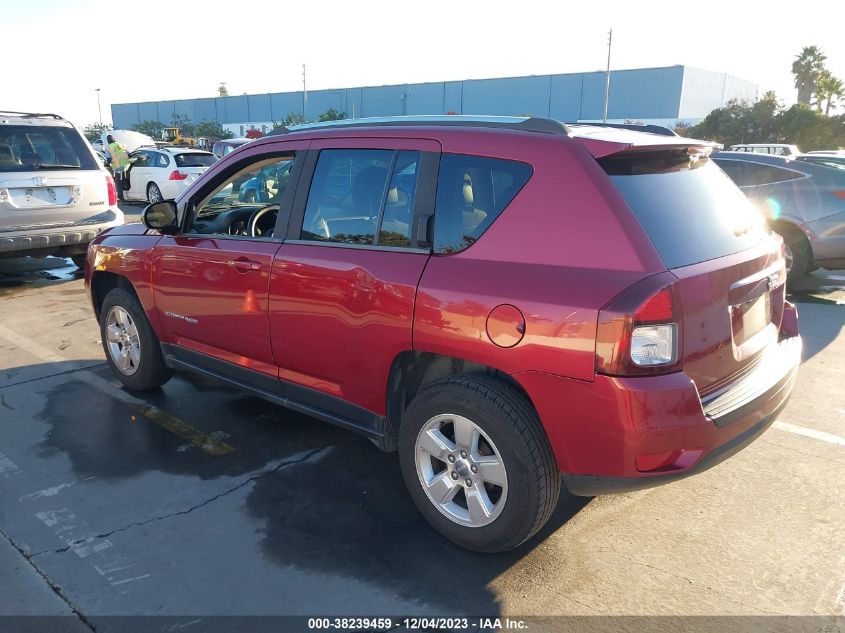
{"points": [[621, 434]]}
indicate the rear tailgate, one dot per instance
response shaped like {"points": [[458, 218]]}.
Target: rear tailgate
{"points": [[49, 177], [51, 199], [729, 265], [193, 164]]}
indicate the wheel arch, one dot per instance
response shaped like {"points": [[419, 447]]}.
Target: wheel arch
{"points": [[411, 370], [103, 282]]}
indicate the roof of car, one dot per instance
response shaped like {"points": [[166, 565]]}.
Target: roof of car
{"points": [[174, 149], [790, 162], [8, 117], [763, 145], [599, 140]]}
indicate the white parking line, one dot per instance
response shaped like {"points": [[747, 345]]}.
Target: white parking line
{"points": [[830, 438]]}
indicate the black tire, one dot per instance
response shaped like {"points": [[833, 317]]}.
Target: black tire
{"points": [[154, 193], [79, 260], [509, 419], [151, 371], [802, 254]]}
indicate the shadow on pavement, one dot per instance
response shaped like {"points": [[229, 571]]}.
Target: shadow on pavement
{"points": [[350, 514], [347, 514], [22, 272]]}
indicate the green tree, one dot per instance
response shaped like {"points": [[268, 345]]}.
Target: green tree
{"points": [[95, 130], [292, 118], [211, 129], [808, 68], [331, 115], [828, 90], [183, 122], [150, 128]]}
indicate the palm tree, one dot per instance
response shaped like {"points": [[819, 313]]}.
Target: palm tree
{"points": [[808, 68], [828, 89]]}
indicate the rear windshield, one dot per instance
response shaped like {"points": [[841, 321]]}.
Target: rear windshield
{"points": [[30, 148], [688, 207], [195, 160]]}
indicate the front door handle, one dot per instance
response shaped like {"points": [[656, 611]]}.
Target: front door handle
{"points": [[244, 265]]}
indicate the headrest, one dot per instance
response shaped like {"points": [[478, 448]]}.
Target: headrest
{"points": [[467, 190]]}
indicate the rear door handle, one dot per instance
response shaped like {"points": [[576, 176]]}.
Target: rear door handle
{"points": [[244, 265]]}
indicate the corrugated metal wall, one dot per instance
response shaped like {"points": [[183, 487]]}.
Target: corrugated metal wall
{"points": [[674, 92], [704, 90]]}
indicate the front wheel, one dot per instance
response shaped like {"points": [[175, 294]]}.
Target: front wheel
{"points": [[132, 348], [477, 462]]}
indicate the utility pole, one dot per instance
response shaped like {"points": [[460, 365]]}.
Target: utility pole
{"points": [[99, 110], [607, 75], [304, 93]]}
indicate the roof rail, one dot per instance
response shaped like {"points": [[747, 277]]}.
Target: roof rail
{"points": [[523, 124], [31, 114]]}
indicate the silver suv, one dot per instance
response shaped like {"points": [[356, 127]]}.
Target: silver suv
{"points": [[55, 197]]}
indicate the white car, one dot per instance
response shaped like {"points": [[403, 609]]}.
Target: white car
{"points": [[162, 173], [55, 196]]}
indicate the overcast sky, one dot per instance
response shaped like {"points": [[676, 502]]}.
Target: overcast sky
{"points": [[57, 52]]}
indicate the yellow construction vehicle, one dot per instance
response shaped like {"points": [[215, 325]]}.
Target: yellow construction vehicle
{"points": [[171, 135]]}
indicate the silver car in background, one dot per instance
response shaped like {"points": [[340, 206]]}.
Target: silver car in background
{"points": [[803, 200], [55, 196]]}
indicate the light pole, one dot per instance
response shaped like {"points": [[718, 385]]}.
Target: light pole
{"points": [[607, 75], [304, 94], [99, 110]]}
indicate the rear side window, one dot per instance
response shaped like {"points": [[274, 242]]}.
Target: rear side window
{"points": [[748, 174], [688, 207], [195, 160], [362, 196], [471, 193], [30, 148]]}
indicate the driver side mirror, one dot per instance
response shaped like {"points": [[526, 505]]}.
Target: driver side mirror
{"points": [[161, 216]]}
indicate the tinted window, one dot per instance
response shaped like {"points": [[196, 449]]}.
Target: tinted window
{"points": [[247, 203], [140, 159], [195, 160], [735, 169], [346, 195], [160, 160], [395, 228], [688, 207], [471, 193], [29, 147]]}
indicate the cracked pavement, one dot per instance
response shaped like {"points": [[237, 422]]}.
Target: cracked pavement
{"points": [[198, 500]]}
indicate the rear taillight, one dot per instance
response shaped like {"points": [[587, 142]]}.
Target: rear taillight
{"points": [[639, 331], [177, 175], [839, 194], [112, 190]]}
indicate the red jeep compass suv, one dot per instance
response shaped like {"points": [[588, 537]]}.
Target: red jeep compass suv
{"points": [[508, 302]]}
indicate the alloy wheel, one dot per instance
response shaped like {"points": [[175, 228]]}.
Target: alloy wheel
{"points": [[124, 344], [461, 470]]}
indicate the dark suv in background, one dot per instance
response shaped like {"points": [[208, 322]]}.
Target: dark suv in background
{"points": [[501, 300], [803, 199]]}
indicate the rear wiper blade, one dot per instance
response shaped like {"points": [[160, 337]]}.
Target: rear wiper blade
{"points": [[53, 166]]}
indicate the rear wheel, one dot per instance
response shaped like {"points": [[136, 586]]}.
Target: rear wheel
{"points": [[797, 252], [154, 193], [132, 348], [477, 462]]}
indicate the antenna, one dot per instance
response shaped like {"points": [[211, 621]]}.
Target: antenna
{"points": [[607, 75]]}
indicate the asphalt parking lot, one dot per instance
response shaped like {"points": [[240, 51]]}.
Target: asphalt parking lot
{"points": [[197, 500]]}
